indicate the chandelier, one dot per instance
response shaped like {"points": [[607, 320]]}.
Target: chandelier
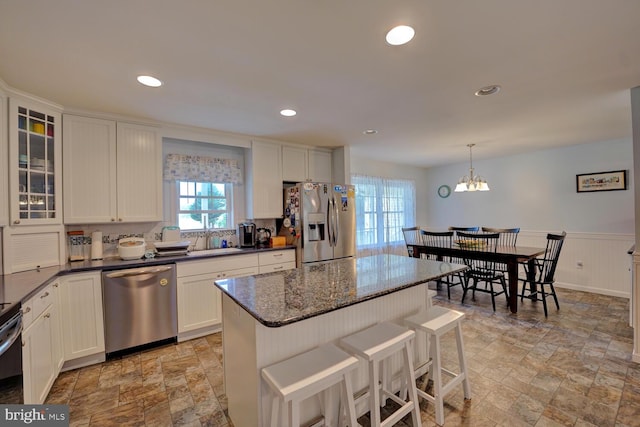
{"points": [[471, 182]]}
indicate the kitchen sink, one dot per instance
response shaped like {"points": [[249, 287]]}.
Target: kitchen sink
{"points": [[218, 251]]}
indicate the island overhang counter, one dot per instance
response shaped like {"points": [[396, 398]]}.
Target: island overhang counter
{"points": [[270, 317]]}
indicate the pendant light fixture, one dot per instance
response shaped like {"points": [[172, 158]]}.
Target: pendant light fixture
{"points": [[471, 182]]}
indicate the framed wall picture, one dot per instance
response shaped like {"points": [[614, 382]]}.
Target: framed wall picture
{"points": [[601, 181]]}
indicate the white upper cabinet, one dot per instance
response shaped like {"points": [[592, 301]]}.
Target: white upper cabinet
{"points": [[89, 173], [112, 171], [301, 164], [4, 176], [139, 180], [264, 180], [320, 166], [35, 155], [295, 162]]}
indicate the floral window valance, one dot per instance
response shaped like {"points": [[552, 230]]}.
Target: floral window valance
{"points": [[180, 167]]}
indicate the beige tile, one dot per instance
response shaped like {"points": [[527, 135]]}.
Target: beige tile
{"points": [[158, 414], [99, 400], [140, 391], [131, 414]]}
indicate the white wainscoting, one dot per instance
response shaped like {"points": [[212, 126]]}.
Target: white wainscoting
{"points": [[606, 265]]}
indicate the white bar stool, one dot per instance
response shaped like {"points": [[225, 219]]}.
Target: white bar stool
{"points": [[375, 345], [435, 322], [308, 374]]}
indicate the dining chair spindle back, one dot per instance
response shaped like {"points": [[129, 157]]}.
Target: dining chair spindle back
{"points": [[411, 237], [508, 237], [545, 270], [464, 229], [442, 239], [482, 270]]}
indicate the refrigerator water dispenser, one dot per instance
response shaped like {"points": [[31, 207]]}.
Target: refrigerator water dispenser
{"points": [[315, 227]]}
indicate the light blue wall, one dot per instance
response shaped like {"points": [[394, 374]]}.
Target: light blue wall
{"points": [[534, 191], [537, 191]]}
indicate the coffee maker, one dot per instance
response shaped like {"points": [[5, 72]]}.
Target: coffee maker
{"points": [[247, 235]]}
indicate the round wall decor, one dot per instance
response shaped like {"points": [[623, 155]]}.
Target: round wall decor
{"points": [[444, 191]]}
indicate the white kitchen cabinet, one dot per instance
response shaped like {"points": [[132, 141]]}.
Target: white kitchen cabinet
{"points": [[277, 260], [320, 166], [112, 173], [30, 247], [139, 161], [301, 164], [35, 155], [37, 363], [264, 180], [4, 159], [89, 174], [39, 358], [295, 161], [33, 236], [199, 300], [56, 329], [81, 315]]}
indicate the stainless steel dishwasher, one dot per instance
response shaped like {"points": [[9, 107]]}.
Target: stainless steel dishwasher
{"points": [[139, 306]]}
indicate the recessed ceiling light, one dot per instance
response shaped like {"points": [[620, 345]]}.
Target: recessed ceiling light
{"points": [[288, 112], [488, 90], [149, 81], [370, 132], [400, 35]]}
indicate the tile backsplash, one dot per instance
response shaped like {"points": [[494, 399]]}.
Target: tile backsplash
{"points": [[152, 232]]}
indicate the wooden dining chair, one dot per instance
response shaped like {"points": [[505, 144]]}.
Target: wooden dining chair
{"points": [[411, 237], [442, 239], [482, 270], [508, 237], [455, 237], [544, 274], [464, 229]]}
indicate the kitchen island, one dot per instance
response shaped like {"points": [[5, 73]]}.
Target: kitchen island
{"points": [[270, 317]]}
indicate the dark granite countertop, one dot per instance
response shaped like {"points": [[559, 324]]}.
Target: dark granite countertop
{"points": [[284, 297], [18, 287]]}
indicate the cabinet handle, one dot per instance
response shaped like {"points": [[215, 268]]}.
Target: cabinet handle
{"points": [[46, 294], [48, 315], [26, 310], [17, 221], [55, 285], [278, 268], [113, 220], [277, 255], [119, 219]]}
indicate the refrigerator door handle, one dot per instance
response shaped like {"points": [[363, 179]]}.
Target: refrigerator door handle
{"points": [[336, 223], [329, 222]]}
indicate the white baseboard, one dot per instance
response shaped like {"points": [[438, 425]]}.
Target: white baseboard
{"points": [[197, 333], [598, 290]]}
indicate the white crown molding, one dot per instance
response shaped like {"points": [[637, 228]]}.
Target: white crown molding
{"points": [[16, 92]]}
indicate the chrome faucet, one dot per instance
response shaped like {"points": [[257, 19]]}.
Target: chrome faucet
{"points": [[207, 237]]}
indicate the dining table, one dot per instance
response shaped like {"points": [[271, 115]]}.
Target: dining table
{"points": [[512, 256]]}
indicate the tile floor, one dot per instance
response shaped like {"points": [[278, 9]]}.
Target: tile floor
{"points": [[570, 369]]}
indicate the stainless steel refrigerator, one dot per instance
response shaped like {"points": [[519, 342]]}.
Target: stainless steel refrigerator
{"points": [[320, 218]]}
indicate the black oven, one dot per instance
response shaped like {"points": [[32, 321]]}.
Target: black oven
{"points": [[10, 341]]}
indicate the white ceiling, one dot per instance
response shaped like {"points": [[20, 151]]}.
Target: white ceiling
{"points": [[565, 67]]}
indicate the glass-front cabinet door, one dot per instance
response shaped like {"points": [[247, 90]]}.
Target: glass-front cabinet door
{"points": [[35, 155]]}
